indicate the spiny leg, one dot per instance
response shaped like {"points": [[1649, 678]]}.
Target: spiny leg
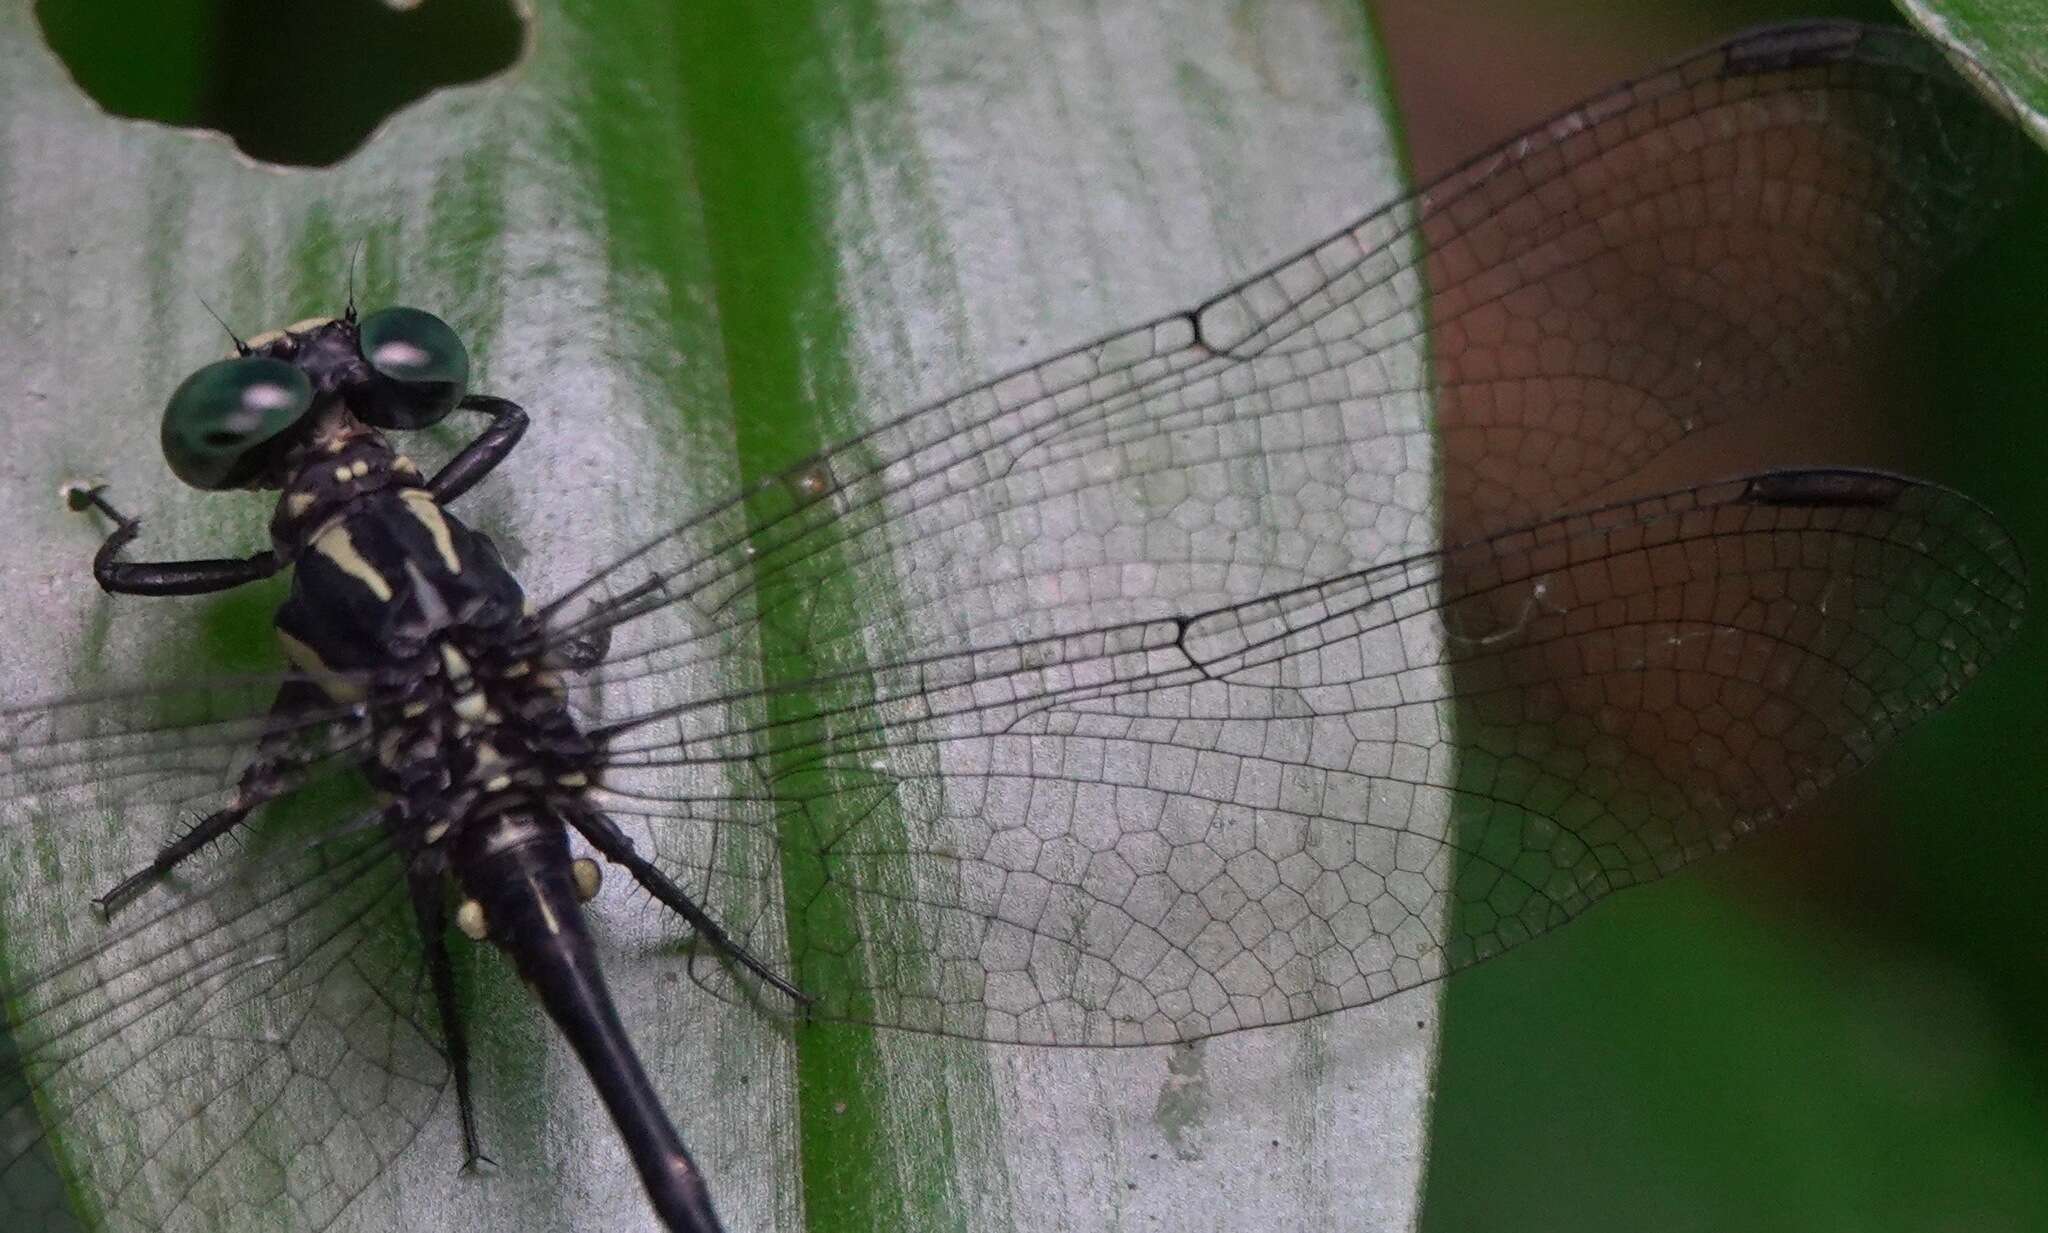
{"points": [[431, 911], [604, 834], [197, 577], [278, 769]]}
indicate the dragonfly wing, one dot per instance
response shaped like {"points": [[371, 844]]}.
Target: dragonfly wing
{"points": [[1165, 830], [252, 1053], [1489, 351]]}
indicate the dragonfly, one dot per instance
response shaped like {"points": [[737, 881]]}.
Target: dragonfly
{"points": [[1118, 717]]}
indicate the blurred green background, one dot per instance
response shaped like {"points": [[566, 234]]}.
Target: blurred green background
{"points": [[1839, 1026]]}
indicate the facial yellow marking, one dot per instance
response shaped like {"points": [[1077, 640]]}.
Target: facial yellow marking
{"points": [[260, 341], [307, 660], [470, 919], [307, 325], [422, 505], [335, 544], [298, 503], [588, 878]]}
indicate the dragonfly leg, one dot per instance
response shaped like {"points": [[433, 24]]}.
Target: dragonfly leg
{"points": [[605, 835], [430, 909], [582, 652], [197, 577], [278, 769], [481, 456]]}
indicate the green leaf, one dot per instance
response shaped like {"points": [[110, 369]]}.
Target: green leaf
{"points": [[2008, 40], [698, 242]]}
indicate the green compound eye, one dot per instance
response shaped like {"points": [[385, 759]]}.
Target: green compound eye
{"points": [[220, 417], [423, 369]]}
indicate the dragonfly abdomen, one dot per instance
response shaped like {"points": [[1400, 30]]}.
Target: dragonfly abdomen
{"points": [[525, 894]]}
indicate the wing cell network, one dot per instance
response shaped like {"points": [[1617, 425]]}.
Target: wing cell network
{"points": [[1131, 697]]}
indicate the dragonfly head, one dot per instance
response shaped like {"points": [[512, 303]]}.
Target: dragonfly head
{"points": [[237, 422]]}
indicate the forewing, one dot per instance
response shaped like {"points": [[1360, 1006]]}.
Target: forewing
{"points": [[157, 754], [1651, 262]]}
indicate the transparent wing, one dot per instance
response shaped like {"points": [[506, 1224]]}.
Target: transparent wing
{"points": [[160, 752], [1572, 303], [253, 1055], [1162, 830], [1107, 702]]}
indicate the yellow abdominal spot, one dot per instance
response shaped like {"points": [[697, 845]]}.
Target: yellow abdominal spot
{"points": [[335, 544], [428, 511]]}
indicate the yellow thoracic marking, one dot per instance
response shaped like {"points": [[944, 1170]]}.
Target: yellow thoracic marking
{"points": [[470, 919], [472, 707], [407, 465], [335, 544], [453, 661], [437, 832], [423, 507], [298, 503], [332, 683], [342, 474], [589, 878]]}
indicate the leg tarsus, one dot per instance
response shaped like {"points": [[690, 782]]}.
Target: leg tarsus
{"points": [[197, 577]]}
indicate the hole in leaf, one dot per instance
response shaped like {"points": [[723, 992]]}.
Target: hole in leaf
{"points": [[299, 82]]}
